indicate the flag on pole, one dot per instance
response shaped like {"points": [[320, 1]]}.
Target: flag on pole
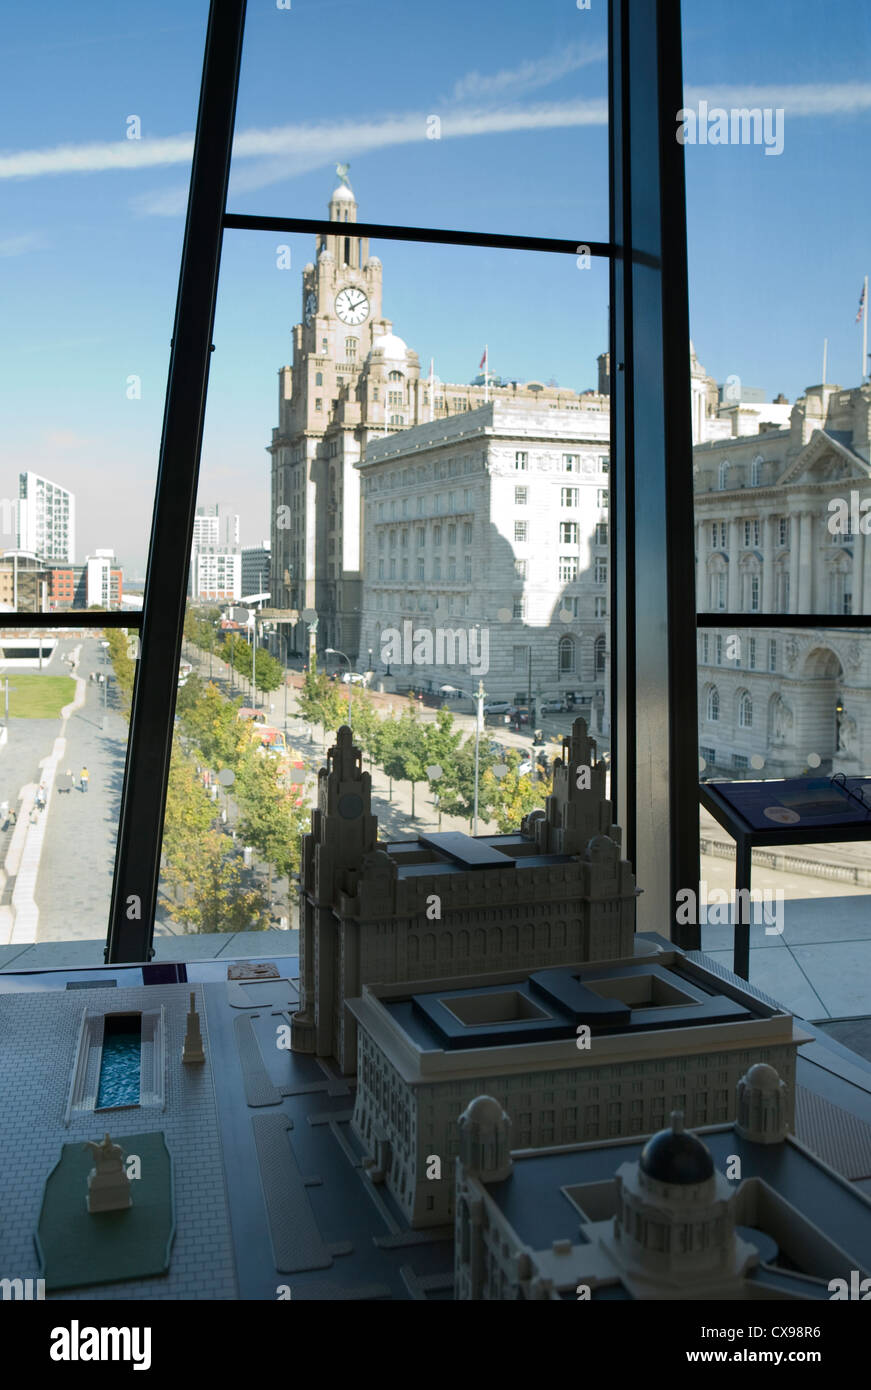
{"points": [[861, 305], [482, 364]]}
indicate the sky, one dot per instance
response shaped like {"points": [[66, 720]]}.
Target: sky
{"points": [[91, 221]]}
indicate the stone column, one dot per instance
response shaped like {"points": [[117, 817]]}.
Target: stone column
{"points": [[767, 604], [703, 598], [794, 552], [806, 564], [859, 573], [733, 603]]}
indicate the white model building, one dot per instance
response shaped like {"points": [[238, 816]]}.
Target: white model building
{"points": [[663, 1034], [448, 905], [741, 1211]]}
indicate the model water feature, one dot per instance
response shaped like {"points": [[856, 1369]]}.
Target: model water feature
{"points": [[121, 1063]]}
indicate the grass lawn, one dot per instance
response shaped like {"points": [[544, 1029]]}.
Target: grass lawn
{"points": [[32, 696]]}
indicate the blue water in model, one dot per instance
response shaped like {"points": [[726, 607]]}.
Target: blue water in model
{"points": [[119, 1073]]}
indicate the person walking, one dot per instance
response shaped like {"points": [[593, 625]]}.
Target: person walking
{"points": [[84, 779], [40, 797]]}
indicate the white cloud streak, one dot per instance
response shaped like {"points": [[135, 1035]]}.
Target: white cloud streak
{"points": [[285, 151], [537, 72]]}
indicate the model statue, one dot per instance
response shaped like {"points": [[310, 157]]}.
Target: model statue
{"points": [[108, 1183]]}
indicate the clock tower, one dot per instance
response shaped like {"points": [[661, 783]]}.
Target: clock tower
{"points": [[315, 501]]}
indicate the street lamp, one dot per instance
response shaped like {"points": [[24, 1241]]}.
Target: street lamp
{"points": [[334, 651], [479, 698]]}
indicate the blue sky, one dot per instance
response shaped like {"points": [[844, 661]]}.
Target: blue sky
{"points": [[91, 223]]}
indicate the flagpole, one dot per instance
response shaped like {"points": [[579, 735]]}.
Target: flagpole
{"points": [[864, 334]]}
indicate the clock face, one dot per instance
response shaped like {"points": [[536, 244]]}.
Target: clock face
{"points": [[311, 305], [352, 306]]}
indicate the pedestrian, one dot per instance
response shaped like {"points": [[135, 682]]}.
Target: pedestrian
{"points": [[40, 797], [13, 816], [84, 778]]}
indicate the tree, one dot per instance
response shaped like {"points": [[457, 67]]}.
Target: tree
{"points": [[123, 664], [321, 702], [269, 821], [213, 898], [457, 787], [212, 724], [270, 672], [365, 724], [406, 751], [513, 795]]}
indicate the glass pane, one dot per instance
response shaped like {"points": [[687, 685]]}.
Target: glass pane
{"points": [[785, 714], [783, 502], [781, 427], [441, 515], [505, 131], [65, 706], [96, 116]]}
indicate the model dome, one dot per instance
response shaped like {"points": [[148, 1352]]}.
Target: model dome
{"points": [[483, 1110], [763, 1077], [674, 1156], [342, 194]]}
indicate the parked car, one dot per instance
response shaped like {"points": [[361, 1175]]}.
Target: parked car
{"points": [[497, 707], [353, 678], [556, 706]]}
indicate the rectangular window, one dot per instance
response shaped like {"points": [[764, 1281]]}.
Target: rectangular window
{"points": [[604, 464], [601, 570], [783, 530], [601, 607], [602, 497], [521, 462], [437, 567], [467, 567], [751, 654], [568, 568], [519, 608], [467, 533], [420, 567], [601, 537], [705, 647], [520, 530], [568, 533], [520, 569], [521, 496], [436, 535], [572, 463], [719, 648], [568, 497]]}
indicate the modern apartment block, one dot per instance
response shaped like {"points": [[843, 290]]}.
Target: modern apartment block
{"points": [[255, 569], [46, 519]]}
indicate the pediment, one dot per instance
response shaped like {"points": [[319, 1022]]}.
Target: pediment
{"points": [[825, 459]]}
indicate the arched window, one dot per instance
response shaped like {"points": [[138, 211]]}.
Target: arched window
{"points": [[756, 471], [319, 378], [745, 710], [713, 710], [566, 655], [394, 376], [723, 475], [599, 655]]}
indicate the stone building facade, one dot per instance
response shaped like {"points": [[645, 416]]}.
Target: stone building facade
{"points": [[449, 905], [493, 525], [779, 529], [352, 380]]}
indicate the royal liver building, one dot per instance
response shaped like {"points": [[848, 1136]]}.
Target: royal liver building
{"points": [[780, 528]]}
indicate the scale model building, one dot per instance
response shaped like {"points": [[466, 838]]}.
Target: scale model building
{"points": [[578, 1052], [739, 1212], [448, 905]]}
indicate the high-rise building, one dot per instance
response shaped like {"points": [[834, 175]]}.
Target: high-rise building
{"points": [[46, 519], [255, 569]]}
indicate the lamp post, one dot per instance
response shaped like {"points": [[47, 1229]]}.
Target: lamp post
{"points": [[479, 698], [334, 651]]}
